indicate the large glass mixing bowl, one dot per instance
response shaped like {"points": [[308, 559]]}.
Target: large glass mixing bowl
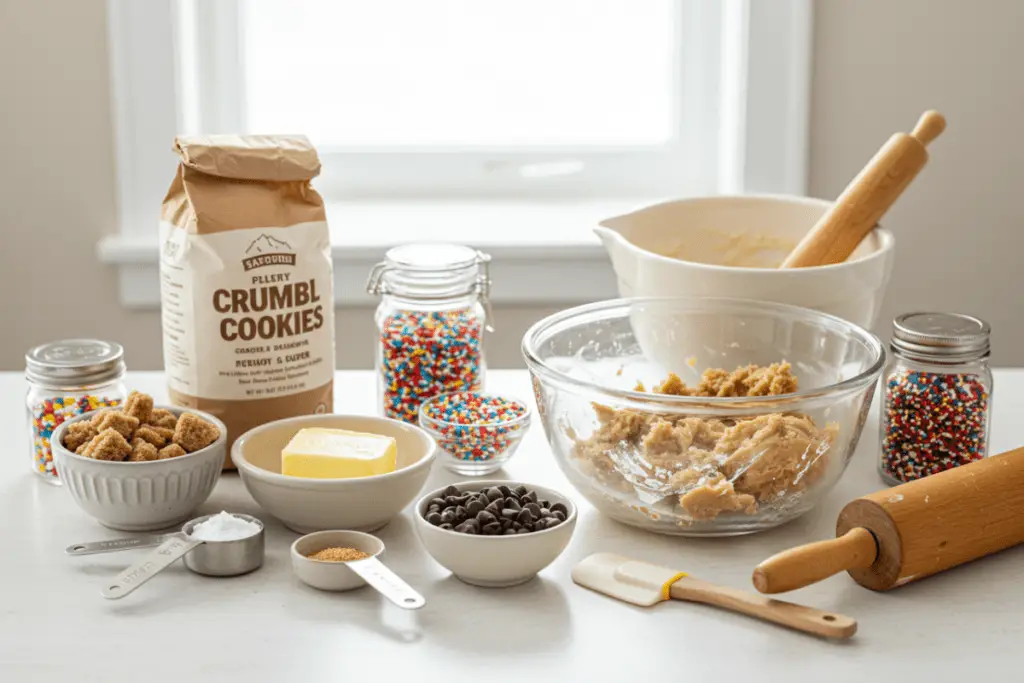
{"points": [[698, 466]]}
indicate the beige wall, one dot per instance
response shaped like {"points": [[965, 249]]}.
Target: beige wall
{"points": [[960, 227], [878, 63]]}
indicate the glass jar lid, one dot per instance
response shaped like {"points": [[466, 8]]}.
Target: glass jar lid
{"points": [[432, 271], [74, 362], [947, 337]]}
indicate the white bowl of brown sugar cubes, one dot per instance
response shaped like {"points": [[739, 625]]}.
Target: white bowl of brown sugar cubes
{"points": [[140, 467]]}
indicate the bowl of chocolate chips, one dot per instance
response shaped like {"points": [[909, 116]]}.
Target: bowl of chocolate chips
{"points": [[495, 533]]}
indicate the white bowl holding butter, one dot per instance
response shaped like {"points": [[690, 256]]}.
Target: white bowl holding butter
{"points": [[307, 504]]}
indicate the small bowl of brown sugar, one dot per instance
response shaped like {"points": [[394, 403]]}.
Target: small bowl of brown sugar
{"points": [[320, 559], [140, 466]]}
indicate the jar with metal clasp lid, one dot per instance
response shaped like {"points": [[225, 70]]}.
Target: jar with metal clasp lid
{"points": [[433, 311], [67, 378], [937, 395]]}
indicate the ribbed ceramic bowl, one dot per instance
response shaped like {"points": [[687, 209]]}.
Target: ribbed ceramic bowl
{"points": [[308, 505], [141, 496]]}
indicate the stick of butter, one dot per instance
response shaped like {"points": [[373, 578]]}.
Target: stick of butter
{"points": [[317, 453]]}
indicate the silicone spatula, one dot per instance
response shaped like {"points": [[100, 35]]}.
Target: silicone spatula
{"points": [[647, 584]]}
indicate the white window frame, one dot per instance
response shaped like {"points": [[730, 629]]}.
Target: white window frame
{"points": [[754, 138]]}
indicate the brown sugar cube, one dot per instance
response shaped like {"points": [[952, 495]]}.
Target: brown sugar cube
{"points": [[151, 436], [79, 434], [172, 450], [125, 425], [109, 445], [98, 415], [142, 451], [160, 417], [139, 406], [193, 433], [168, 434]]}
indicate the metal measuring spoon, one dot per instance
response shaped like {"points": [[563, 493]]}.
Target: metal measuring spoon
{"points": [[210, 558], [119, 544]]}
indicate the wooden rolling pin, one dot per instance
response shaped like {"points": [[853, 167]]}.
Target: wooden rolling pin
{"points": [[914, 530], [866, 199]]}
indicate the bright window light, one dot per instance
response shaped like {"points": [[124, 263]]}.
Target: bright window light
{"points": [[462, 73]]}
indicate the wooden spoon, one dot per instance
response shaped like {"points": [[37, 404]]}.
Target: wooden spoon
{"points": [[866, 199]]}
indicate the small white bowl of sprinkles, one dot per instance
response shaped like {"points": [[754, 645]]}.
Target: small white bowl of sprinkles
{"points": [[476, 433]]}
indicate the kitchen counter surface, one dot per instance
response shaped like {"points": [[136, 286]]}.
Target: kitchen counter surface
{"points": [[965, 624]]}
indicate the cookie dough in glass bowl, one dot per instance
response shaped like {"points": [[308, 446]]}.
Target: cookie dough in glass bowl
{"points": [[702, 416]]}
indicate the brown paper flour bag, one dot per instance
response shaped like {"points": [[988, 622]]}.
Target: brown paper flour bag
{"points": [[246, 281]]}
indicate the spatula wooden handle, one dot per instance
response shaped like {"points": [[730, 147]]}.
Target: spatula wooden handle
{"points": [[806, 619], [866, 199], [807, 564]]}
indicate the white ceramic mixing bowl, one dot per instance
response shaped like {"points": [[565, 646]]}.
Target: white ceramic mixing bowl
{"points": [[648, 248]]}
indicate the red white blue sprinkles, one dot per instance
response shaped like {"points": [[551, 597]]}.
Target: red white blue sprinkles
{"points": [[427, 353], [474, 427], [933, 422]]}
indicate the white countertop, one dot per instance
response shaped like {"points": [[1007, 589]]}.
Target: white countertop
{"points": [[965, 624]]}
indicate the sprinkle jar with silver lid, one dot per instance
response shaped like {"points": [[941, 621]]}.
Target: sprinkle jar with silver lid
{"points": [[67, 378], [935, 411]]}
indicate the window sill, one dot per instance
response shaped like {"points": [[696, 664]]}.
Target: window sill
{"points": [[543, 252]]}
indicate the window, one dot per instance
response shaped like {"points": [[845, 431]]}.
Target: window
{"points": [[536, 102], [462, 98]]}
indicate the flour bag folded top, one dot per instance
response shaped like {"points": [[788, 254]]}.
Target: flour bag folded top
{"points": [[246, 281]]}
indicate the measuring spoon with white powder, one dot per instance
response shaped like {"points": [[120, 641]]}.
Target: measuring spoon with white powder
{"points": [[223, 544]]}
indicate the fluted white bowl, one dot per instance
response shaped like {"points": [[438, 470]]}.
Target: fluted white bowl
{"points": [[141, 496]]}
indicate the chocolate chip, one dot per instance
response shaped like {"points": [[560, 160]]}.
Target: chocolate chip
{"points": [[494, 511], [468, 527], [485, 517]]}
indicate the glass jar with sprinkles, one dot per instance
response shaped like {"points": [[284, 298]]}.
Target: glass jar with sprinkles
{"points": [[937, 395], [65, 379], [431, 319]]}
